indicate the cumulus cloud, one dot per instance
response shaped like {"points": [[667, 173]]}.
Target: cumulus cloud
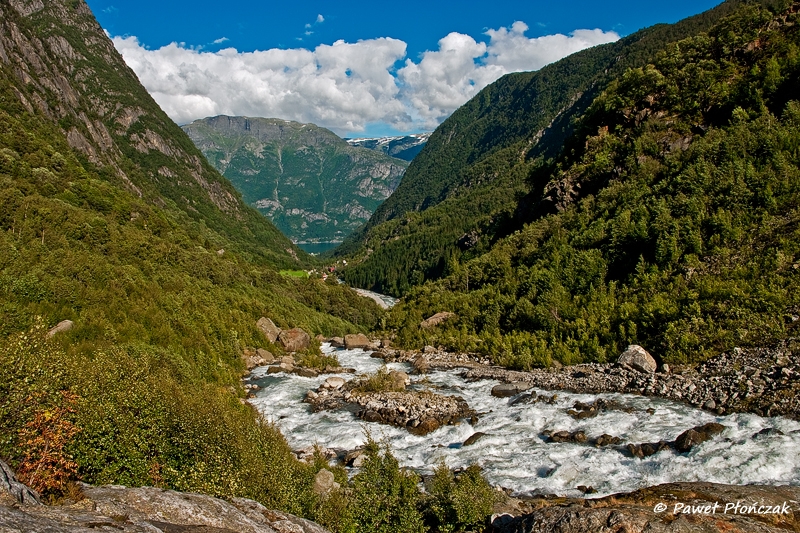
{"points": [[343, 86]]}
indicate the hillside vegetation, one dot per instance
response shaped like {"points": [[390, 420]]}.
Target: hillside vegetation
{"points": [[669, 220], [465, 189], [112, 219], [312, 184]]}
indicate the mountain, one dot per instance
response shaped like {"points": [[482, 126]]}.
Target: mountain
{"points": [[312, 184], [405, 147], [114, 225], [469, 184], [668, 220]]}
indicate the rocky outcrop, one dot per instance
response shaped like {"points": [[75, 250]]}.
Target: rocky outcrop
{"points": [[13, 489], [697, 435], [637, 358], [294, 340], [268, 328], [143, 510], [669, 508], [418, 412]]}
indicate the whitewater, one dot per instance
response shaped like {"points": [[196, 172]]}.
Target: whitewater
{"points": [[514, 453]]}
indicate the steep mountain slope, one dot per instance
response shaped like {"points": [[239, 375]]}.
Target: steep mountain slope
{"points": [[405, 147], [308, 181], [463, 190], [670, 220], [112, 219]]}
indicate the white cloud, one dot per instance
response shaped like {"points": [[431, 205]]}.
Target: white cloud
{"points": [[343, 86], [220, 40]]}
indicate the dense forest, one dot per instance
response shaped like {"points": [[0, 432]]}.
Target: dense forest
{"points": [[464, 190], [670, 219]]}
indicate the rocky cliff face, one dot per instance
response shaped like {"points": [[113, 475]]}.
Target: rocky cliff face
{"points": [[308, 181], [56, 62]]}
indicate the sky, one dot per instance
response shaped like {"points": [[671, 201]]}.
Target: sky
{"points": [[361, 69]]}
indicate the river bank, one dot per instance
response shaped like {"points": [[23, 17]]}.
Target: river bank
{"points": [[762, 381]]}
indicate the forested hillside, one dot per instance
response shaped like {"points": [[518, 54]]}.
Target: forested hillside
{"points": [[463, 191], [112, 219], [312, 184], [669, 220]]}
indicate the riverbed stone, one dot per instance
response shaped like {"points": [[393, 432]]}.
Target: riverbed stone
{"points": [[637, 358], [475, 437], [357, 340], [506, 390], [697, 435], [333, 382], [336, 342], [268, 328], [294, 340]]}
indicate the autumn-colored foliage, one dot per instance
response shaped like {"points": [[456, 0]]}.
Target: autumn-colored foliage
{"points": [[46, 467]]}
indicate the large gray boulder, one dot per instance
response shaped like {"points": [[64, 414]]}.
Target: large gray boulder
{"points": [[268, 328], [294, 340], [637, 358], [357, 340]]}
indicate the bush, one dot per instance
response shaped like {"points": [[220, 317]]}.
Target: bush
{"points": [[458, 503]]}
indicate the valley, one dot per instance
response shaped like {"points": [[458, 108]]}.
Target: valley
{"points": [[574, 302]]}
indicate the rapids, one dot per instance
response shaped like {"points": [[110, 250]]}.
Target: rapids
{"points": [[514, 454]]}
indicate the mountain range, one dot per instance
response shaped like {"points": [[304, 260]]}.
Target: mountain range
{"points": [[404, 147], [311, 184]]}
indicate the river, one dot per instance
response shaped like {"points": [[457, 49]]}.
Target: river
{"points": [[514, 453]]}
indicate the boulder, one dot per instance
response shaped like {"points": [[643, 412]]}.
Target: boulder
{"points": [[506, 390], [436, 319], [64, 325], [425, 427], [288, 360], [266, 356], [355, 458], [306, 372], [697, 435], [475, 437], [268, 328], [324, 482], [333, 382], [294, 340], [637, 358], [336, 342], [356, 340], [399, 379]]}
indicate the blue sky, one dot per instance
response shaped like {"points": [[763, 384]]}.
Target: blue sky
{"points": [[359, 68]]}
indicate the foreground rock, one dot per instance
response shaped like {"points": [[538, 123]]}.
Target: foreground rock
{"points": [[145, 510], [636, 512]]}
